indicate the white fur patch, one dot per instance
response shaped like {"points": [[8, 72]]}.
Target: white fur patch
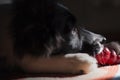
{"points": [[75, 42]]}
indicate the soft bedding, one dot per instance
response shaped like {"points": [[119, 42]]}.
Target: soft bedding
{"points": [[102, 73]]}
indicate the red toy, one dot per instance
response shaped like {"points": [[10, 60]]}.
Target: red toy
{"points": [[107, 57]]}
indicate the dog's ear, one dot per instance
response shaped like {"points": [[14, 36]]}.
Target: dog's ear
{"points": [[33, 6], [114, 46], [47, 13], [31, 14]]}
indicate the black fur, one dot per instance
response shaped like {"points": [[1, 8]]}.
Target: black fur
{"points": [[40, 24], [44, 27]]}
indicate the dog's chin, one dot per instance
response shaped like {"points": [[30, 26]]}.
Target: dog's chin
{"points": [[92, 49], [98, 48]]}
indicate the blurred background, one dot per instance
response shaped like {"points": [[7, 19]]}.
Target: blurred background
{"points": [[100, 16]]}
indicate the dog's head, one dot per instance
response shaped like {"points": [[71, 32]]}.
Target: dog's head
{"points": [[45, 27]]}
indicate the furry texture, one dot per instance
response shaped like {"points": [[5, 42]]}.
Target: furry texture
{"points": [[43, 31], [46, 39], [41, 26]]}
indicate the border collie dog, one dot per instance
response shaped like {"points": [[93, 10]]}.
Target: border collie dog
{"points": [[47, 40]]}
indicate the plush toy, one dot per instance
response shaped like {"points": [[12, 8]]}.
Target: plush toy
{"points": [[110, 54]]}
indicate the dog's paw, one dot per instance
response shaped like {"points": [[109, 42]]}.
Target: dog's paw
{"points": [[82, 62], [113, 46]]}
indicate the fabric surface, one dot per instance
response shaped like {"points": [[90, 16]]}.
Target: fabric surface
{"points": [[102, 73]]}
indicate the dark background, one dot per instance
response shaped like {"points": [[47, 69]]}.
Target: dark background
{"points": [[100, 16]]}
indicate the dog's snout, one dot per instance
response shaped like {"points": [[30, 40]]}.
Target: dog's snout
{"points": [[92, 42], [98, 45]]}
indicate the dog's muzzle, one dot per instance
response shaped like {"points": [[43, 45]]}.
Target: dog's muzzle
{"points": [[91, 42]]}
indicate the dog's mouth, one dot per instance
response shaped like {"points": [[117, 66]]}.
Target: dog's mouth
{"points": [[98, 47], [92, 43], [92, 49]]}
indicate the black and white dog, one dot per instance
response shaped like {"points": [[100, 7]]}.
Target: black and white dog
{"points": [[46, 39]]}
